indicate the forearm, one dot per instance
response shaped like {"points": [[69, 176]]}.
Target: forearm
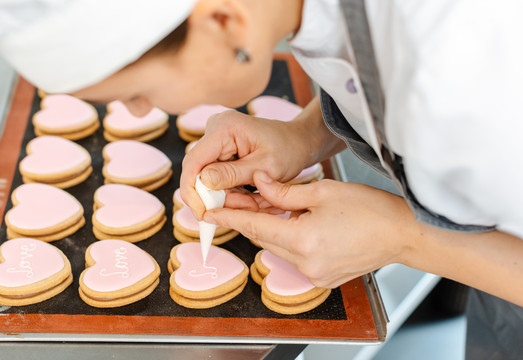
{"points": [[321, 143], [491, 262]]}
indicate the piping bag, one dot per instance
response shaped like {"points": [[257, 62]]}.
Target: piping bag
{"points": [[212, 199]]}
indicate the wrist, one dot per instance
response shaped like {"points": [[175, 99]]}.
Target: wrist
{"points": [[409, 238], [319, 143]]}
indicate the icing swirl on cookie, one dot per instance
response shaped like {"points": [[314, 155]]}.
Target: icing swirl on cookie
{"points": [[190, 258], [213, 272]]}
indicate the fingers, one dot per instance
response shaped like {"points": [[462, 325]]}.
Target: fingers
{"points": [[208, 150], [271, 232], [229, 174], [284, 196], [239, 200], [258, 226]]}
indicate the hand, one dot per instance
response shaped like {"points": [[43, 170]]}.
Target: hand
{"points": [[258, 144], [340, 230]]}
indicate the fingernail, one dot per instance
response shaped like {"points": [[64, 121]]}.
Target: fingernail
{"points": [[263, 177], [212, 176]]}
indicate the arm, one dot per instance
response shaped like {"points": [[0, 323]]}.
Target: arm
{"points": [[491, 261]]}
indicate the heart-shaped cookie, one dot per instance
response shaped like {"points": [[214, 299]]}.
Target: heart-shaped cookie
{"points": [[194, 120], [126, 210], [41, 209], [121, 122], [284, 289], [135, 163], [190, 274], [196, 285], [55, 160], [283, 278], [62, 113], [31, 271], [274, 108], [186, 228], [117, 273]]}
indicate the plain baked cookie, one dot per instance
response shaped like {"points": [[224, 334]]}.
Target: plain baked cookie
{"points": [[65, 116], [199, 286], [284, 289], [117, 273], [127, 213], [135, 163], [191, 124], [31, 271], [55, 161], [120, 124], [43, 212]]}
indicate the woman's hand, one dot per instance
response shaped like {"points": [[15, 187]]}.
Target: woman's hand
{"points": [[235, 145], [338, 231]]}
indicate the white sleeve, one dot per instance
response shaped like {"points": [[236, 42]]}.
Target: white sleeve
{"points": [[452, 73]]}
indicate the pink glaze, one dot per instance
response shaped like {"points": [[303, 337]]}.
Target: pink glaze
{"points": [[185, 217], [53, 154], [196, 118], [131, 159], [284, 279], [120, 118], [119, 264], [62, 111], [41, 206], [178, 197], [274, 108], [28, 261], [221, 266], [125, 205], [308, 172]]}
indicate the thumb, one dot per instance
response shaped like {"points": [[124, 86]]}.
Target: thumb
{"points": [[285, 196], [228, 174]]}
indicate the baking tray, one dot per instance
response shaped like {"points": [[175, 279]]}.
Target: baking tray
{"points": [[352, 313]]}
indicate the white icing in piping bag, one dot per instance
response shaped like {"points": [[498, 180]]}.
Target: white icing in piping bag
{"points": [[212, 199]]}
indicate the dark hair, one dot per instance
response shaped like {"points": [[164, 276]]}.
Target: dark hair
{"points": [[172, 42]]}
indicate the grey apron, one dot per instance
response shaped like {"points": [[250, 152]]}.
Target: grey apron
{"points": [[494, 326]]}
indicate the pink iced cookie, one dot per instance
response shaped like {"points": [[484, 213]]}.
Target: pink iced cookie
{"points": [[55, 161], [43, 212], [118, 273], [120, 124], [135, 163], [31, 271], [191, 125], [274, 108], [65, 116], [284, 289], [126, 212], [186, 227], [196, 285], [177, 200]]}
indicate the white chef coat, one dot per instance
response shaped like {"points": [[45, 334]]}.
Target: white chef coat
{"points": [[452, 76]]}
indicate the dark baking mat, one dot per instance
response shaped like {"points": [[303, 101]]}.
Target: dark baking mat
{"points": [[246, 305]]}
